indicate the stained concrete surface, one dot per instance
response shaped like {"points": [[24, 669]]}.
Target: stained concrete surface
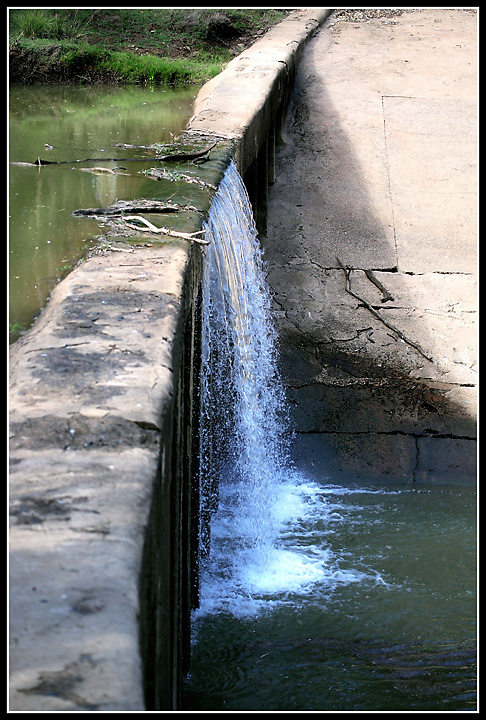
{"points": [[88, 388], [378, 171]]}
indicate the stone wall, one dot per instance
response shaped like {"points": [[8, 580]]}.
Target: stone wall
{"points": [[101, 413]]}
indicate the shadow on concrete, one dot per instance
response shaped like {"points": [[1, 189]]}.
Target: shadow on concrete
{"points": [[366, 405]]}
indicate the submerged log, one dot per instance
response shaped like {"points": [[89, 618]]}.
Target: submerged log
{"points": [[187, 156], [104, 171], [170, 157], [121, 207]]}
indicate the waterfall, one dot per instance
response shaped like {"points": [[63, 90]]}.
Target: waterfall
{"points": [[243, 445], [249, 492], [265, 527]]}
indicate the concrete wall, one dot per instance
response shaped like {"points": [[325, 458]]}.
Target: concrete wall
{"points": [[103, 416]]}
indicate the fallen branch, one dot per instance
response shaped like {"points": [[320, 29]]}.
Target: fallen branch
{"points": [[377, 315], [132, 206], [174, 157], [372, 277], [164, 231]]}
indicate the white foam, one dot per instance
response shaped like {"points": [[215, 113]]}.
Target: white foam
{"points": [[250, 573]]}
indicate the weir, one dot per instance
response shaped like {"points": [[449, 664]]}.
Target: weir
{"points": [[103, 421], [147, 383], [251, 493]]}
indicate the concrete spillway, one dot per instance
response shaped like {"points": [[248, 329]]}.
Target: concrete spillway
{"points": [[104, 401], [102, 406]]}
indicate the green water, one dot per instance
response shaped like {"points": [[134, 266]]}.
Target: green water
{"points": [[45, 241], [383, 616]]}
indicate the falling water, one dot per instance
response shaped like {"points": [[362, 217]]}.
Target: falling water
{"points": [[251, 495], [242, 449], [242, 453]]}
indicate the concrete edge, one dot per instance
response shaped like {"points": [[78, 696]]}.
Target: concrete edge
{"points": [[102, 410]]}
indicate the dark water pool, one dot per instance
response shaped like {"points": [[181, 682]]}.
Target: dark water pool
{"points": [[368, 602]]}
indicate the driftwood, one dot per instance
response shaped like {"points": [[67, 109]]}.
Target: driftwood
{"points": [[163, 231], [173, 175], [120, 207], [377, 315], [171, 157]]}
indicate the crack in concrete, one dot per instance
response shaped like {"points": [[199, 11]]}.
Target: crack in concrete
{"points": [[437, 272], [389, 433], [417, 454]]}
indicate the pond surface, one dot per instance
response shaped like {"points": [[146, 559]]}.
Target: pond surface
{"points": [[45, 241]]}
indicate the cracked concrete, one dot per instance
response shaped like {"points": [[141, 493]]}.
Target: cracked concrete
{"points": [[378, 171]]}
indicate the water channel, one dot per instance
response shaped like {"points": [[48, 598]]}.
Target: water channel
{"points": [[314, 595], [77, 122]]}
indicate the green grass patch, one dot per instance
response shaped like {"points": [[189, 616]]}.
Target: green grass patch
{"points": [[169, 46], [53, 24], [149, 69], [91, 63]]}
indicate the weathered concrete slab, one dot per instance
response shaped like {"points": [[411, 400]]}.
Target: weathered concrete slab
{"points": [[378, 172], [328, 196], [240, 102], [105, 339], [432, 152], [76, 544], [90, 385]]}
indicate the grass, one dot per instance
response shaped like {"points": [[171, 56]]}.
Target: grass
{"points": [[54, 24], [149, 46]]}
